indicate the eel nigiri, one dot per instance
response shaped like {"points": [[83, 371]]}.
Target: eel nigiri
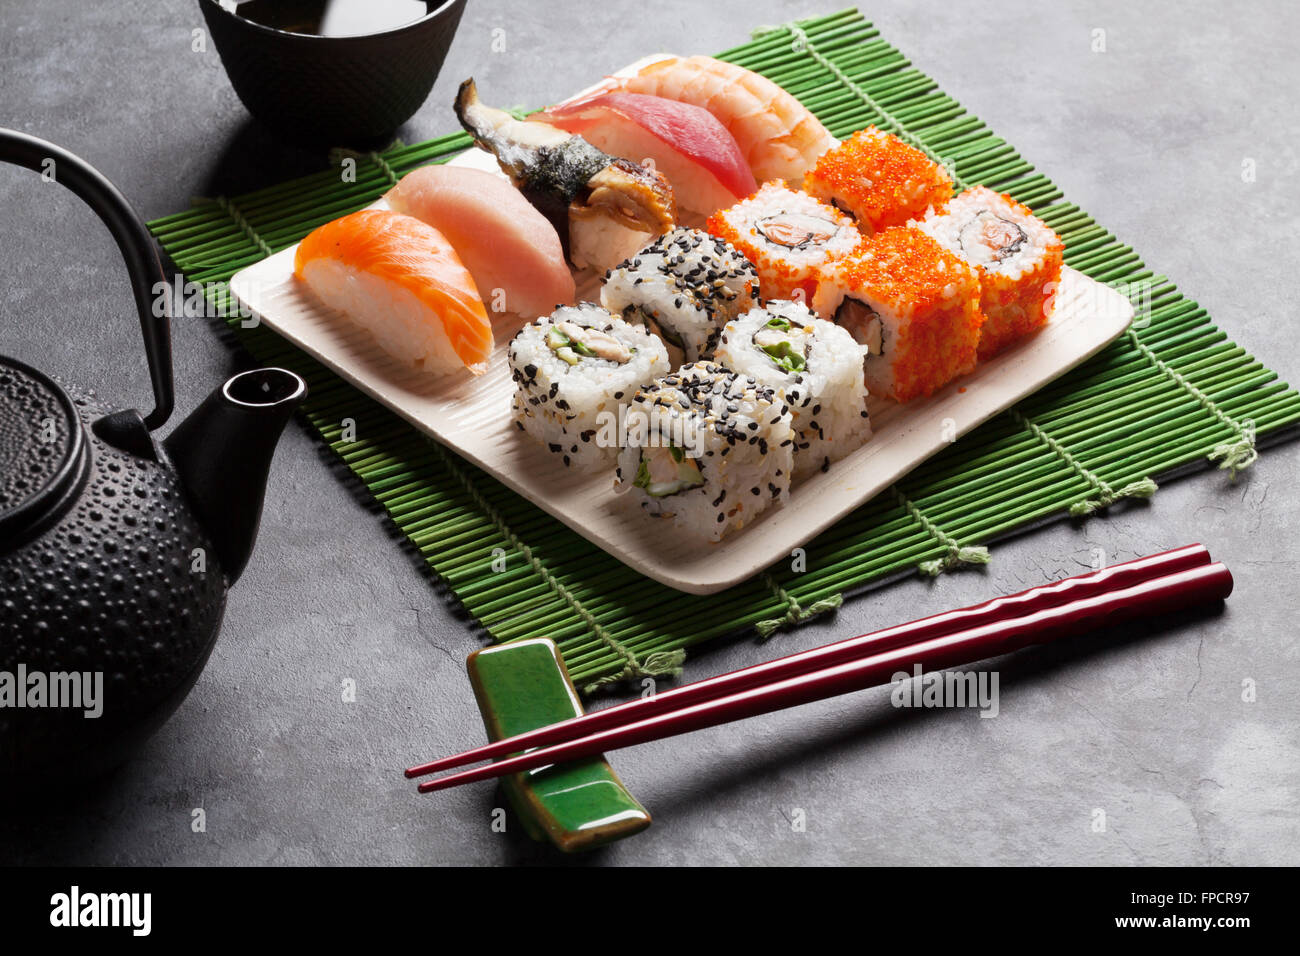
{"points": [[400, 279], [686, 142], [778, 136], [604, 208], [509, 247]]}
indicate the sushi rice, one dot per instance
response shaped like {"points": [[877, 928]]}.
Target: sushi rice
{"points": [[708, 449], [683, 287], [814, 367], [573, 371]]}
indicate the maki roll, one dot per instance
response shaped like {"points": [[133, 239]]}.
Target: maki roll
{"points": [[573, 371], [707, 448], [815, 368], [879, 179], [1018, 257], [683, 287], [788, 235], [913, 304]]}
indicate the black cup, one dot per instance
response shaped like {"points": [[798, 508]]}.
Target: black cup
{"points": [[335, 91]]}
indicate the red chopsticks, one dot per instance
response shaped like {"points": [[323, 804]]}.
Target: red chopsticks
{"points": [[1153, 585]]}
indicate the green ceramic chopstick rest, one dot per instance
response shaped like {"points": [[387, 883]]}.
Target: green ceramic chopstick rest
{"points": [[576, 806]]}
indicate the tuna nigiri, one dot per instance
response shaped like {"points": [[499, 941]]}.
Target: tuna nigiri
{"points": [[687, 143], [604, 208], [510, 249], [400, 279], [778, 136]]}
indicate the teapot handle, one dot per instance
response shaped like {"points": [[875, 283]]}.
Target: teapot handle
{"points": [[133, 239]]}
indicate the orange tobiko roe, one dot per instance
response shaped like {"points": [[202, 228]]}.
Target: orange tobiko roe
{"points": [[1016, 308], [778, 278], [936, 297], [880, 179]]}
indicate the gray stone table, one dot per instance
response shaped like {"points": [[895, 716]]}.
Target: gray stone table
{"points": [[1150, 136]]}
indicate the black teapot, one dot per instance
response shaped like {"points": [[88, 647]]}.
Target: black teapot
{"points": [[116, 550]]}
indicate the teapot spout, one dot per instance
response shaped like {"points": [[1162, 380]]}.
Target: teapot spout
{"points": [[223, 452]]}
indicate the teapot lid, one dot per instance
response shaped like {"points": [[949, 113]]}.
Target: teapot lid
{"points": [[43, 451]]}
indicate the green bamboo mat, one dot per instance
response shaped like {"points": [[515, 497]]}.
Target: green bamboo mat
{"points": [[1172, 392]]}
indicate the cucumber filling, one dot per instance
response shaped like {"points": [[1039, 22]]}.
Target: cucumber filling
{"points": [[784, 356], [667, 470], [785, 345]]}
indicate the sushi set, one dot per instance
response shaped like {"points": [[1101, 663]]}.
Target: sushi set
{"points": [[679, 316]]}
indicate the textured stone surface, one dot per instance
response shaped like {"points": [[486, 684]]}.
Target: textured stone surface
{"points": [[1150, 136]]}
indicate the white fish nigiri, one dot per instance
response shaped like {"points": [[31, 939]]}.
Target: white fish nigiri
{"points": [[510, 248]]}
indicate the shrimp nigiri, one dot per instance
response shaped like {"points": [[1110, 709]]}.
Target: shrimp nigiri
{"points": [[778, 136], [401, 280]]}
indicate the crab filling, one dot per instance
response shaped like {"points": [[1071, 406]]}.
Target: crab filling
{"points": [[667, 470], [862, 323], [796, 230], [988, 239], [639, 315], [573, 343]]}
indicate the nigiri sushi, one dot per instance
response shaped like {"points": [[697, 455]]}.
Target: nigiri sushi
{"points": [[510, 249], [687, 143], [778, 136], [604, 208], [400, 279]]}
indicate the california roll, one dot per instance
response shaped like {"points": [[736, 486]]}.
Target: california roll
{"points": [[683, 287], [708, 449], [573, 371], [814, 367]]}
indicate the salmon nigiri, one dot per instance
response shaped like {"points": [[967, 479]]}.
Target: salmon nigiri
{"points": [[400, 279]]}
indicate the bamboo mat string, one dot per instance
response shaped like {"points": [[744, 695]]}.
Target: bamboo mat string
{"points": [[339, 153], [383, 165], [957, 553], [794, 614], [245, 226], [1106, 495], [1236, 455]]}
